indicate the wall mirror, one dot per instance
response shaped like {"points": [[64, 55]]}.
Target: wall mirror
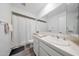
{"points": [[62, 19]]}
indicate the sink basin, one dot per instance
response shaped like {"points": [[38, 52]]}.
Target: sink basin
{"points": [[41, 35], [57, 41]]}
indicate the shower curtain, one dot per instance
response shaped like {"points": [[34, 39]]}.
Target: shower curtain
{"points": [[19, 35]]}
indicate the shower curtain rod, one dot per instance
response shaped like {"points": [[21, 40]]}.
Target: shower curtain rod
{"points": [[29, 17]]}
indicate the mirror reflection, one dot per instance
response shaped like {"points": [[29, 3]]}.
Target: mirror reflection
{"points": [[64, 18]]}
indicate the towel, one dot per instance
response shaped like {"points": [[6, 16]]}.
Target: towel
{"points": [[7, 26], [10, 27]]}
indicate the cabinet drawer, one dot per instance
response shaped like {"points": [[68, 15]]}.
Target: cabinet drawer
{"points": [[42, 52], [49, 50]]}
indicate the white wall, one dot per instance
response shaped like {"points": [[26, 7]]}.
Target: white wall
{"points": [[5, 12], [5, 41]]}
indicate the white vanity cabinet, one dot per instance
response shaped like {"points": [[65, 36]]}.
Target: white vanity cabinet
{"points": [[41, 49], [48, 50], [35, 45], [42, 52]]}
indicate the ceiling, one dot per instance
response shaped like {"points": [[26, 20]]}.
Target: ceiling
{"points": [[33, 8], [37, 8]]}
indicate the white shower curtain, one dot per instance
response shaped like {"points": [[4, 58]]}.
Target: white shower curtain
{"points": [[22, 30], [19, 36]]}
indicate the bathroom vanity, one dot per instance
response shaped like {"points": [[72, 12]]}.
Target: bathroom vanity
{"points": [[48, 45]]}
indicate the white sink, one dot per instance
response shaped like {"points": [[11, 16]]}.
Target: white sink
{"points": [[41, 35], [57, 41]]}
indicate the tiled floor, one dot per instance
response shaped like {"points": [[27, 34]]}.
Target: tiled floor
{"points": [[25, 52]]}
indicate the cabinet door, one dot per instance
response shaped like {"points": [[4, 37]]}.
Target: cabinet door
{"points": [[35, 45], [42, 52], [49, 50]]}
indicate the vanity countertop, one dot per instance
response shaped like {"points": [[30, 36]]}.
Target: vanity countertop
{"points": [[72, 49]]}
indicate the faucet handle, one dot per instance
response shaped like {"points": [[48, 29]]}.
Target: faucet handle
{"points": [[57, 37]]}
